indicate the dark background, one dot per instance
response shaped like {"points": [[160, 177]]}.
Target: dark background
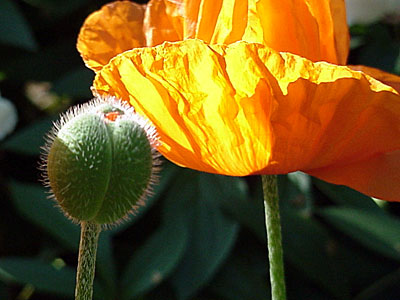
{"points": [[201, 236]]}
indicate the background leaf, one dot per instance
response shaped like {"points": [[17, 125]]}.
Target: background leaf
{"points": [[30, 200], [43, 276], [29, 139], [156, 259], [307, 247], [212, 234], [237, 281], [345, 196], [378, 232], [75, 83], [14, 30]]}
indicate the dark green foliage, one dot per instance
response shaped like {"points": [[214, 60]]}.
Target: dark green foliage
{"points": [[200, 236], [14, 29]]}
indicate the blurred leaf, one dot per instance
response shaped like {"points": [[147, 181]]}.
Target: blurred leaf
{"points": [[156, 259], [152, 263], [362, 268], [347, 197], [29, 140], [43, 276], [380, 50], [378, 232], [31, 202], [397, 65], [302, 181], [75, 83], [295, 189], [14, 30], [237, 281], [3, 289], [386, 288], [56, 7], [105, 265], [301, 288], [356, 42], [290, 194], [46, 65], [212, 234], [307, 246], [235, 199]]}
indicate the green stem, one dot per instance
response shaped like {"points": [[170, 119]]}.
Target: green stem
{"points": [[273, 226], [86, 260]]}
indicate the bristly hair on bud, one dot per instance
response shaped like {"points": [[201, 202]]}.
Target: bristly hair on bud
{"points": [[100, 161]]}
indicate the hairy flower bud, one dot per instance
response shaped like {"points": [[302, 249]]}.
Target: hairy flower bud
{"points": [[100, 160]]}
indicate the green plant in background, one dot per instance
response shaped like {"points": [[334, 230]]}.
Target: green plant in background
{"points": [[192, 240]]}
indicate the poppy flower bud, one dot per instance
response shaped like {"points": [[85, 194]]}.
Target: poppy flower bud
{"points": [[100, 161]]}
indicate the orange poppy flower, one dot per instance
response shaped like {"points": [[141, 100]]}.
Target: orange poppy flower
{"points": [[246, 108], [314, 29]]}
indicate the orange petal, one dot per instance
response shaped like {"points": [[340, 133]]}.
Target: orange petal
{"points": [[311, 28], [314, 29], [377, 176], [341, 37], [124, 25], [174, 10], [160, 22], [246, 109], [332, 28], [113, 29], [386, 78]]}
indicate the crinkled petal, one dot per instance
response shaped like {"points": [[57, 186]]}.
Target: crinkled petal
{"points": [[160, 22], [124, 25], [313, 29], [246, 109], [377, 176], [115, 28], [341, 31], [386, 78]]}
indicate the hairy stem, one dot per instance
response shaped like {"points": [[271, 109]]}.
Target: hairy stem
{"points": [[86, 260], [273, 227]]}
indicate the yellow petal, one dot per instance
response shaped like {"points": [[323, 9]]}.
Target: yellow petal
{"points": [[246, 109], [114, 28], [386, 78]]}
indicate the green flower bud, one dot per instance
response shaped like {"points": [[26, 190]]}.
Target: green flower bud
{"points": [[100, 161]]}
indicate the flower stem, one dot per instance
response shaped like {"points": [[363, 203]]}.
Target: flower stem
{"points": [[86, 260], [273, 226]]}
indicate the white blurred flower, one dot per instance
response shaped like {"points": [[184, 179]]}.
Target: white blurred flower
{"points": [[368, 11], [8, 117]]}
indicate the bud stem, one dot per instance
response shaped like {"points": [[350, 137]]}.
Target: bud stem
{"points": [[87, 260], [273, 226]]}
